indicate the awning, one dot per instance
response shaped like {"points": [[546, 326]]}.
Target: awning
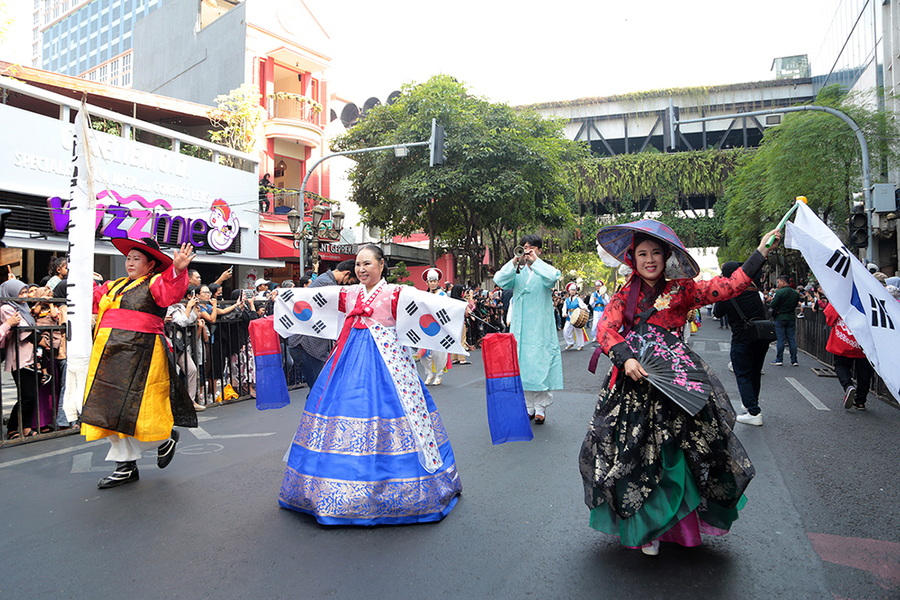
{"points": [[282, 248]]}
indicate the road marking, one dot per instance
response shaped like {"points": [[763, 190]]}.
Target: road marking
{"points": [[699, 346], [807, 394], [202, 434], [724, 346], [22, 461]]}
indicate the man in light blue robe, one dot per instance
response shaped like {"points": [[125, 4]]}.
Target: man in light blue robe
{"points": [[534, 326]]}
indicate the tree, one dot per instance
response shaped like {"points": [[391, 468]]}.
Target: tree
{"points": [[238, 118], [399, 274], [810, 154], [503, 171]]}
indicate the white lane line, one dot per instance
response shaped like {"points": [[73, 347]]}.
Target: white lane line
{"points": [[22, 461], [699, 346], [807, 394], [724, 346]]}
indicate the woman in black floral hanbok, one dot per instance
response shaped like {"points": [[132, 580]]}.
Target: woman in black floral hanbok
{"points": [[651, 471]]}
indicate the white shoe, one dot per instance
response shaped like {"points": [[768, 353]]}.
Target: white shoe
{"points": [[652, 549], [570, 346], [437, 380], [748, 419], [730, 367], [429, 379]]}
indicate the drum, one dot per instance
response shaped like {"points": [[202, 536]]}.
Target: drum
{"points": [[579, 317]]}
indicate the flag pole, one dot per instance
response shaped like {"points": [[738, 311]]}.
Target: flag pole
{"points": [[787, 216]]}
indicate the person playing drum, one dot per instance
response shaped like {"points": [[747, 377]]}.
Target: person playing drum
{"points": [[576, 314]]}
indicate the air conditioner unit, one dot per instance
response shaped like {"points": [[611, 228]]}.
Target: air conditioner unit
{"points": [[771, 120]]}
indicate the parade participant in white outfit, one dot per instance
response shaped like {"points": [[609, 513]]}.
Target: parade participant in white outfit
{"points": [[574, 337], [598, 302], [435, 362]]}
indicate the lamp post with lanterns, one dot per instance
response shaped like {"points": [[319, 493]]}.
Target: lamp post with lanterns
{"points": [[303, 231]]}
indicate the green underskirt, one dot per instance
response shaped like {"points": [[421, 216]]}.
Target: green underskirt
{"points": [[673, 499]]}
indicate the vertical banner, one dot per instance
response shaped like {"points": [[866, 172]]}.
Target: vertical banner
{"points": [[271, 386], [80, 281], [507, 415]]}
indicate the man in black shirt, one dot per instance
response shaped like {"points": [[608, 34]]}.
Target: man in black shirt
{"points": [[747, 357]]}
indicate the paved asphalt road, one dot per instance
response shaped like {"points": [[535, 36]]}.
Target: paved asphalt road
{"points": [[821, 521]]}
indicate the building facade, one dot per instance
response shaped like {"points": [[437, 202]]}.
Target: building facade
{"points": [[149, 180]]}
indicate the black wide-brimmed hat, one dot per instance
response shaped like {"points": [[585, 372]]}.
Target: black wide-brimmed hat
{"points": [[146, 245]]}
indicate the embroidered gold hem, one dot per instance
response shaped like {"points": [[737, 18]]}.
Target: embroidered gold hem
{"points": [[390, 498], [358, 437]]}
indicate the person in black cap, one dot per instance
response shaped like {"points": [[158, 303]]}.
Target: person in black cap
{"points": [[133, 396]]}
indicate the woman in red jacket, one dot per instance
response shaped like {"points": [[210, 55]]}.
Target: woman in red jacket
{"points": [[847, 354]]}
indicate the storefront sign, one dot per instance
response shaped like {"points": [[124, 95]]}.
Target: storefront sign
{"points": [[118, 221]]}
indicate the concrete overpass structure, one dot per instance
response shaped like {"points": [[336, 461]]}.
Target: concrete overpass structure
{"points": [[631, 123]]}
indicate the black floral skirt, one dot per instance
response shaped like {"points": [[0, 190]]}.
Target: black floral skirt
{"points": [[645, 462]]}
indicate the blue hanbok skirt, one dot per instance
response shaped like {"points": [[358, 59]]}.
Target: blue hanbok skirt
{"points": [[353, 460]]}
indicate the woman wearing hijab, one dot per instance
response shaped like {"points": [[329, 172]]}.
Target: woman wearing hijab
{"points": [[19, 352], [133, 395], [651, 471]]}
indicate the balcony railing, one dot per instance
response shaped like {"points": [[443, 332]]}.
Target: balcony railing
{"points": [[285, 105]]}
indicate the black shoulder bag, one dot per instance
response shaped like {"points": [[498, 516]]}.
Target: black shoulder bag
{"points": [[756, 330]]}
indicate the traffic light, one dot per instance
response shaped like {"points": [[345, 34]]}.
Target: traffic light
{"points": [[436, 143], [859, 227]]}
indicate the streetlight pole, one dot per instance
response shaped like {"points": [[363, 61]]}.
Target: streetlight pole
{"points": [[860, 138]]}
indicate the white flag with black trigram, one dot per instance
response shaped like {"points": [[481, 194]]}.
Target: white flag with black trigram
{"points": [[430, 321], [309, 311], [867, 308]]}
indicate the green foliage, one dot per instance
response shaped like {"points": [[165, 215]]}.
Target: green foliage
{"points": [[810, 154], [584, 266], [636, 177], [615, 188], [399, 274], [503, 171], [237, 118]]}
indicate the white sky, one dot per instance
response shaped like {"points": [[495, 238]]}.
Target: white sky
{"points": [[539, 51], [532, 52]]}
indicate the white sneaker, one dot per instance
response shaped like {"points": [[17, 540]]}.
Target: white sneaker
{"points": [[730, 367], [437, 380], [429, 379], [748, 419], [652, 549]]}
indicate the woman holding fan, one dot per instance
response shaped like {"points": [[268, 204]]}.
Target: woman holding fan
{"points": [[653, 472]]}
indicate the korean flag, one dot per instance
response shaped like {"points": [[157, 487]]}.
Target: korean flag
{"points": [[309, 311], [430, 321]]}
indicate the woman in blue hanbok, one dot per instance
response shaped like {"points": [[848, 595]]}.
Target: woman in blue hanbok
{"points": [[371, 448]]}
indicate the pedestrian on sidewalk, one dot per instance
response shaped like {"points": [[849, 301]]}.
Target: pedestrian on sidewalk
{"points": [[133, 395], [747, 358], [847, 355], [651, 471], [784, 304]]}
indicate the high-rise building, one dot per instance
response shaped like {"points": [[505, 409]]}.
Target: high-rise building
{"points": [[88, 38]]}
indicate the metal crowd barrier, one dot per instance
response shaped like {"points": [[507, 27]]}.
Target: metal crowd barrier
{"points": [[206, 368], [812, 336]]}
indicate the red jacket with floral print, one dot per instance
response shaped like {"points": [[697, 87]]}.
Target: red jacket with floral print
{"points": [[672, 304]]}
